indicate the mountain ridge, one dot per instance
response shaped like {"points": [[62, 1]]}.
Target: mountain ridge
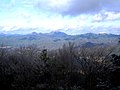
{"points": [[52, 33], [55, 40]]}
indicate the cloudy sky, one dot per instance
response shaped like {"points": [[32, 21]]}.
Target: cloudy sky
{"points": [[70, 16]]}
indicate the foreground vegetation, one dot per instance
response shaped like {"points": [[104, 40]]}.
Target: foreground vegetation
{"points": [[68, 68]]}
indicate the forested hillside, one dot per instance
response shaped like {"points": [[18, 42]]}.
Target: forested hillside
{"points": [[68, 68]]}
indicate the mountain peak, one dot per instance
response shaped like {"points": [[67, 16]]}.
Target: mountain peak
{"points": [[57, 33], [34, 33]]}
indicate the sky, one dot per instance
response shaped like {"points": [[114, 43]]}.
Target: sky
{"points": [[69, 16]]}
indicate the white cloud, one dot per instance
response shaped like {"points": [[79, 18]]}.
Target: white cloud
{"points": [[106, 16], [82, 23], [76, 7], [52, 15], [112, 16]]}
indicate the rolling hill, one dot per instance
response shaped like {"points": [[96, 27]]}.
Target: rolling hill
{"points": [[55, 40]]}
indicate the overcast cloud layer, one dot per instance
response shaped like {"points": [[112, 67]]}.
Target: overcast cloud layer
{"points": [[76, 7], [71, 16]]}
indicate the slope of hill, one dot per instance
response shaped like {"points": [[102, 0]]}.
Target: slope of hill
{"points": [[55, 40]]}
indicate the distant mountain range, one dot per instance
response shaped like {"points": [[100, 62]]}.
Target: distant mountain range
{"points": [[54, 40]]}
